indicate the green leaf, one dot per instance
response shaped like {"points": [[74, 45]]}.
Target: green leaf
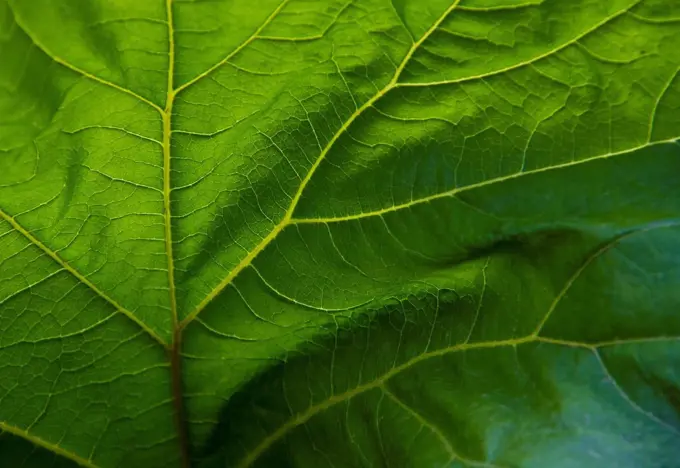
{"points": [[339, 233]]}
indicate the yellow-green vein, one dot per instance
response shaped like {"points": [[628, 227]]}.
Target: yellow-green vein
{"points": [[423, 422], [75, 69], [664, 90], [455, 191], [54, 448], [552, 51], [244, 44], [53, 255]]}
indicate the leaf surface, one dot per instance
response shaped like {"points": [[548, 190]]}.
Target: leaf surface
{"points": [[350, 233]]}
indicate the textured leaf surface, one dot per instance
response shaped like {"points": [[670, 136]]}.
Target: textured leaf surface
{"points": [[353, 233]]}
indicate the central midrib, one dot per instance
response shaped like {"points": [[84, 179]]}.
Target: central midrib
{"points": [[175, 348]]}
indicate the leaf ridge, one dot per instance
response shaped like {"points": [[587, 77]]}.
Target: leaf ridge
{"points": [[65, 335], [575, 276], [65, 266], [115, 129], [289, 299], [510, 7], [28, 287], [314, 37], [423, 422]]}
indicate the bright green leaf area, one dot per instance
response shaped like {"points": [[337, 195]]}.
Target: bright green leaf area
{"points": [[340, 233]]}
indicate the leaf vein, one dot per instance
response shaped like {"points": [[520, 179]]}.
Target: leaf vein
{"points": [[238, 49], [434, 429], [35, 440], [77, 70], [547, 54], [624, 395], [590, 259], [54, 256], [453, 192]]}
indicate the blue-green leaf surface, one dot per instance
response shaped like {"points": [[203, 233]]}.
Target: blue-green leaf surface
{"points": [[340, 233]]}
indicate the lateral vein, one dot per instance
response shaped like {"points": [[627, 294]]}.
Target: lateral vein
{"points": [[455, 191], [75, 69], [529, 61], [53, 255], [54, 448], [238, 49]]}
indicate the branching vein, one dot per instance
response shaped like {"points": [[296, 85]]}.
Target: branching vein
{"points": [[288, 216], [54, 448]]}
